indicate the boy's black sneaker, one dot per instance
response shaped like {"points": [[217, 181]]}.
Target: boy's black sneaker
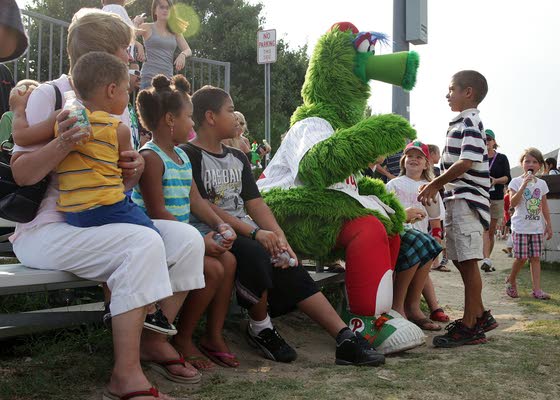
{"points": [[459, 334], [357, 351], [273, 346], [487, 322], [107, 317], [158, 322]]}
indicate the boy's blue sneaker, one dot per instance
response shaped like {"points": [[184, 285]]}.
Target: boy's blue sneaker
{"points": [[273, 346], [458, 334]]}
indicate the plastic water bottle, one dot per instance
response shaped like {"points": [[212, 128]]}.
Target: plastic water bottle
{"points": [[283, 258], [220, 237], [78, 110], [530, 172], [433, 209]]}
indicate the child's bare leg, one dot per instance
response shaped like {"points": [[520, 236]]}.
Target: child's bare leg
{"points": [[401, 287], [429, 294], [195, 305], [106, 293], [318, 308], [535, 263], [155, 346], [515, 269], [414, 293], [473, 291], [218, 309], [259, 311]]}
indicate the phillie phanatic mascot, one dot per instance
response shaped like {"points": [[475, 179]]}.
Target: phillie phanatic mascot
{"points": [[312, 184]]}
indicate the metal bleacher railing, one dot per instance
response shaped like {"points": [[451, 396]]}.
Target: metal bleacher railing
{"points": [[46, 57]]}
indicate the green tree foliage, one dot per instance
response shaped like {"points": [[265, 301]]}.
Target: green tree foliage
{"points": [[228, 32]]}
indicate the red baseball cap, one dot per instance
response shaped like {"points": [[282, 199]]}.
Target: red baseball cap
{"points": [[418, 145]]}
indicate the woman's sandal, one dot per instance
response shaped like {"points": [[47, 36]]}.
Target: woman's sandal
{"points": [[439, 315], [426, 324], [441, 268], [161, 368], [107, 395], [218, 357]]}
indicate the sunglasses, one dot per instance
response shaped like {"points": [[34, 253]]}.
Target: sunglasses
{"points": [[134, 72]]}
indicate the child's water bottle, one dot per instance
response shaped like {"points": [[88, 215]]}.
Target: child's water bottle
{"points": [[78, 110], [220, 237], [531, 183], [283, 258]]}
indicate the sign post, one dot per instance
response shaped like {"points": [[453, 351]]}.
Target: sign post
{"points": [[266, 54]]}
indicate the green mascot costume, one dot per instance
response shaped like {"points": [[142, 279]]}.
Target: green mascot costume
{"points": [[312, 184]]}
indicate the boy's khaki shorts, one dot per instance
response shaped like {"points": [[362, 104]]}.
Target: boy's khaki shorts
{"points": [[463, 231], [497, 210]]}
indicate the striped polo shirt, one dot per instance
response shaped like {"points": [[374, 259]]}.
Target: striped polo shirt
{"points": [[466, 140], [89, 176], [176, 183]]}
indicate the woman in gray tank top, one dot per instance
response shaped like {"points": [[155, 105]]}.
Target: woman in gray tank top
{"points": [[160, 43]]}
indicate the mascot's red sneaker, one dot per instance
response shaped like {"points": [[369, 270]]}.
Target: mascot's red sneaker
{"points": [[389, 333]]}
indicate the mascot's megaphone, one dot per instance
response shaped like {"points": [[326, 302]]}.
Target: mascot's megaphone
{"points": [[396, 68]]}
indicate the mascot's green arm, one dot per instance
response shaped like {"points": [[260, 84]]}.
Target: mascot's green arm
{"points": [[368, 186], [350, 150]]}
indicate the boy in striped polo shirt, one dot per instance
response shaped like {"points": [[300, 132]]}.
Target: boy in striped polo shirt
{"points": [[466, 181]]}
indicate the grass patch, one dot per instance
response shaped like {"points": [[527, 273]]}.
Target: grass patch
{"points": [[64, 364], [545, 327], [550, 283], [56, 298], [482, 372]]}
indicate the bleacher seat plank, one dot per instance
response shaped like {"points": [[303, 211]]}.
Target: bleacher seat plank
{"points": [[17, 278]]}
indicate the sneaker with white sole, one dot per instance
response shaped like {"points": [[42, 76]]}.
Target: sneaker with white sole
{"points": [[357, 351], [158, 322], [487, 265], [273, 346]]}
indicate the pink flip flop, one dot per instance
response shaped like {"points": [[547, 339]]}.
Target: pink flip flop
{"points": [[218, 357]]}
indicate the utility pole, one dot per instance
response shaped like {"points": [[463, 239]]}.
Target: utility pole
{"points": [[401, 98], [410, 25]]}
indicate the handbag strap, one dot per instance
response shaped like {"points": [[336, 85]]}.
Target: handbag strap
{"points": [[58, 96]]}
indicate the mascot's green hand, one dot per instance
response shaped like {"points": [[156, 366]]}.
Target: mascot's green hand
{"points": [[368, 186], [350, 150]]}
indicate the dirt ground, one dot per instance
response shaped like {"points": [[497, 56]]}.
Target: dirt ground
{"points": [[499, 369]]}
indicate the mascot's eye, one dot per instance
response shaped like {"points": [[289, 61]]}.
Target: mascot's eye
{"points": [[364, 47]]}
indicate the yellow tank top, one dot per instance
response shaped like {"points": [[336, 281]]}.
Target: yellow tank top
{"points": [[89, 176]]}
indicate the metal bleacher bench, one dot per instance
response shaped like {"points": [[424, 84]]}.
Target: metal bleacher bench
{"points": [[17, 279]]}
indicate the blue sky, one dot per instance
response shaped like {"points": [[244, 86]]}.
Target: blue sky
{"points": [[513, 43]]}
